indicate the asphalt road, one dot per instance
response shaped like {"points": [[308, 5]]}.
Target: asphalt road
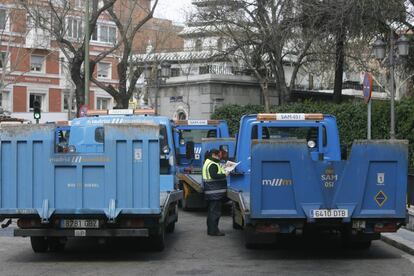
{"points": [[189, 251]]}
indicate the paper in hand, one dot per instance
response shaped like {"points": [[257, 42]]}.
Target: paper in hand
{"points": [[230, 166]]}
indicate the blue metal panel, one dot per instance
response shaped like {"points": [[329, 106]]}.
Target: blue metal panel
{"points": [[286, 183], [122, 179]]}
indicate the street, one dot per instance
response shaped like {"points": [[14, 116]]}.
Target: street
{"points": [[189, 251]]}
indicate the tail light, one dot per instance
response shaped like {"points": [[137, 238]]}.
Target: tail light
{"points": [[132, 222], [29, 223], [385, 227]]}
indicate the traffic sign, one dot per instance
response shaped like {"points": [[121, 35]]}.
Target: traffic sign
{"points": [[83, 111], [367, 87]]}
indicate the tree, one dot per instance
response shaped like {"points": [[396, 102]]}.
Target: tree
{"points": [[53, 17], [266, 34], [345, 21], [128, 24]]}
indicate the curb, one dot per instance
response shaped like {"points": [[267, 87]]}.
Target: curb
{"points": [[397, 242]]}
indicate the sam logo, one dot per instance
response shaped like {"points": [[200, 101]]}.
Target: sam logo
{"points": [[197, 153], [277, 182], [329, 178]]}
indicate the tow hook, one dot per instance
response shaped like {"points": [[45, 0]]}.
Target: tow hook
{"points": [[5, 225]]}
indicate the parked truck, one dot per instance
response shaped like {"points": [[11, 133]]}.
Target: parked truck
{"points": [[103, 176], [293, 178], [193, 139]]}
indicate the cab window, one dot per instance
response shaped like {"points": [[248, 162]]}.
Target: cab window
{"points": [[99, 135], [62, 140], [195, 135]]}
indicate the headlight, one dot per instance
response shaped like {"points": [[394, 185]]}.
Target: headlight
{"points": [[311, 144], [71, 148]]}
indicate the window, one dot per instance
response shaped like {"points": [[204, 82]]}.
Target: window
{"points": [[104, 33], [104, 70], [196, 135], [3, 19], [99, 135], [199, 45], [175, 72], [107, 34], [36, 97], [78, 4], [66, 101], [37, 63], [5, 101], [74, 28], [220, 44], [102, 103], [3, 59]]}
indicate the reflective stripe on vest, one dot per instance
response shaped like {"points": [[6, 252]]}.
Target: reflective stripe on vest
{"points": [[215, 191], [206, 167]]}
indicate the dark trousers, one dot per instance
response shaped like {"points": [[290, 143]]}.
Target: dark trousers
{"points": [[213, 215]]}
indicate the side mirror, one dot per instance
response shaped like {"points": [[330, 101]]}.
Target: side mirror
{"points": [[189, 150]]}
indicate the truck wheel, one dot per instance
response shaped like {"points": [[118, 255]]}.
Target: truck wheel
{"points": [[249, 240], [233, 215], [56, 245], [170, 227], [362, 245], [158, 240], [39, 244]]}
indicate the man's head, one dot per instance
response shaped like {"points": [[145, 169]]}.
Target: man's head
{"points": [[215, 153]]}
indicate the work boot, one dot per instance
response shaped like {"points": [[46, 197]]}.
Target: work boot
{"points": [[218, 233]]}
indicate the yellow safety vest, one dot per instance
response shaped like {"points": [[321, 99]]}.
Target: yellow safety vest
{"points": [[206, 167]]}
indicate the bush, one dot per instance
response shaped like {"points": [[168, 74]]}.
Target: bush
{"points": [[351, 117]]}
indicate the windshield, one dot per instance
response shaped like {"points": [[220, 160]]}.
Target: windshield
{"points": [[195, 135], [306, 133]]}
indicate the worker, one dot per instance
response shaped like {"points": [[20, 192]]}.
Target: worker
{"points": [[215, 189]]}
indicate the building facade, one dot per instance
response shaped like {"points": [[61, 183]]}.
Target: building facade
{"points": [[33, 68]]}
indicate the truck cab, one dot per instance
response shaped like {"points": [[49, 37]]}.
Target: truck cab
{"points": [[87, 135], [193, 139], [188, 137]]}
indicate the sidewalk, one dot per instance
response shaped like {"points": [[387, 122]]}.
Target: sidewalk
{"points": [[403, 239]]}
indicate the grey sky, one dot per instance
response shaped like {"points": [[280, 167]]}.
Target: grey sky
{"points": [[173, 9]]}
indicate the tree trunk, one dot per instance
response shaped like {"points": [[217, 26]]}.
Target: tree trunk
{"points": [[339, 66], [75, 72], [265, 93], [284, 91]]}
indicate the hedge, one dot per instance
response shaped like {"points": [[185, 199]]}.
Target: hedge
{"points": [[351, 117]]}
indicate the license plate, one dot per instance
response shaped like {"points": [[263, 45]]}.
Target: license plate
{"points": [[330, 213], [79, 223]]}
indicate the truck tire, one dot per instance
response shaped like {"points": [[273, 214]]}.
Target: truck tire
{"points": [[39, 244], [249, 239], [158, 240], [233, 216], [361, 245], [170, 227]]}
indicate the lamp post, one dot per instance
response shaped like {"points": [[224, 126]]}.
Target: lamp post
{"points": [[160, 78], [401, 47]]}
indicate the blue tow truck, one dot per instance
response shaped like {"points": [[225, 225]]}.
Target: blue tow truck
{"points": [[193, 139], [106, 175], [292, 178]]}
